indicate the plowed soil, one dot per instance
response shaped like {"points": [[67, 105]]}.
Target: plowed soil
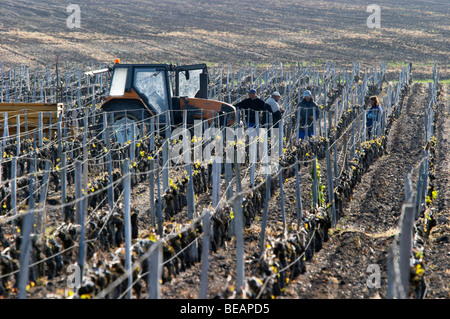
{"points": [[364, 234], [228, 31]]}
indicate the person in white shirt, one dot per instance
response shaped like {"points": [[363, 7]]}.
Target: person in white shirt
{"points": [[275, 108]]}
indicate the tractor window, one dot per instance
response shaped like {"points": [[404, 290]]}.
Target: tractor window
{"points": [[118, 82], [190, 87], [152, 84]]}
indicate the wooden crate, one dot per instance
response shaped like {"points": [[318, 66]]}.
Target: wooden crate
{"points": [[28, 112]]}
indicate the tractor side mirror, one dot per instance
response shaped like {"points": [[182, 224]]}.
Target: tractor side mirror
{"points": [[187, 74]]}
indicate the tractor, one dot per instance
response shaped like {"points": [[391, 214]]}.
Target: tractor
{"points": [[164, 91]]}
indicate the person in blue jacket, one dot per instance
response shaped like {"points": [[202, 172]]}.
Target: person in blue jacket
{"points": [[307, 109], [374, 117]]}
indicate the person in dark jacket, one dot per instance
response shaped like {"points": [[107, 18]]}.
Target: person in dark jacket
{"points": [[307, 108], [252, 103], [374, 117]]}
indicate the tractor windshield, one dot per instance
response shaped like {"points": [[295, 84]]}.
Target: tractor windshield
{"points": [[152, 84]]}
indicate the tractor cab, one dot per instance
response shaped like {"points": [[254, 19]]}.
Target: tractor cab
{"points": [[143, 88], [140, 91]]}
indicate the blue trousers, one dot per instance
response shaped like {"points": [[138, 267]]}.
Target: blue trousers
{"points": [[301, 134]]}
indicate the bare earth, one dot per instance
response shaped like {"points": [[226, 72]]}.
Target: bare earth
{"points": [[229, 31], [363, 235]]}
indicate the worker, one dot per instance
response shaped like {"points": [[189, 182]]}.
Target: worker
{"points": [[307, 108], [252, 103], [275, 108], [374, 117]]}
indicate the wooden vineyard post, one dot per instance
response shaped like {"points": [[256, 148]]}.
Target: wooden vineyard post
{"points": [[152, 134], [41, 215], [49, 126], [59, 132], [152, 191], [7, 92], [40, 131], [63, 176], [5, 129], [314, 186], [336, 109], [27, 134], [253, 140], [141, 127], [25, 246], [160, 217], [60, 136], [281, 150], [330, 187], [107, 139], [228, 83], [1, 78], [78, 191], [133, 151], [14, 187], [265, 158], [418, 201], [81, 214], [229, 138], [336, 173], [298, 194], [191, 208], [85, 155], [93, 99], [239, 229], [205, 254], [306, 124], [156, 257], [352, 147], [426, 167], [360, 132], [262, 237], [65, 85], [216, 183], [228, 180], [283, 212], [18, 135], [80, 105], [127, 220], [408, 187], [405, 247], [190, 197], [165, 154], [319, 115]]}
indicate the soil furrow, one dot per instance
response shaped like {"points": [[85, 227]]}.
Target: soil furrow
{"points": [[437, 250], [365, 233]]}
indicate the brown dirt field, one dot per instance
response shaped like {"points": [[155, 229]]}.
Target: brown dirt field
{"points": [[229, 32]]}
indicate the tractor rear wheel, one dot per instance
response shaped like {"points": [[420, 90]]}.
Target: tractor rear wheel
{"points": [[125, 114]]}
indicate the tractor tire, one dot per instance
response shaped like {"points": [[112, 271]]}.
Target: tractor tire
{"points": [[135, 112]]}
